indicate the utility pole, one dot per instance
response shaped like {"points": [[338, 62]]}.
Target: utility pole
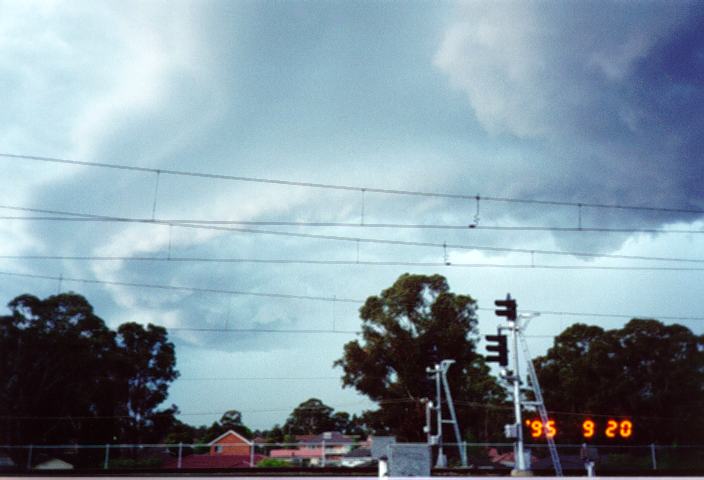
{"points": [[509, 312], [518, 449], [501, 357], [434, 373]]}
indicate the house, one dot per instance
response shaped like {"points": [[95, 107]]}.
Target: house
{"points": [[359, 457], [6, 462], [229, 450], [323, 449], [230, 443], [299, 456]]}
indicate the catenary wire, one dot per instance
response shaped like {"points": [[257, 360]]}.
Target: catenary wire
{"points": [[208, 379], [417, 226], [179, 288], [359, 239], [321, 298], [330, 186], [386, 263]]}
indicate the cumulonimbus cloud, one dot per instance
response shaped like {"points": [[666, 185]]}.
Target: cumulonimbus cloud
{"points": [[608, 92]]}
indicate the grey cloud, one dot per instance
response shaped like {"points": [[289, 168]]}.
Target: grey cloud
{"points": [[608, 91]]}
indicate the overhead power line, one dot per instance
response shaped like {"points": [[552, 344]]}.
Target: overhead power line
{"points": [[322, 298], [218, 379], [375, 263], [380, 241], [181, 289], [408, 226], [265, 330], [365, 189]]}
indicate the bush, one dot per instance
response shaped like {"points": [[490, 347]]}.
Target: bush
{"points": [[273, 463]]}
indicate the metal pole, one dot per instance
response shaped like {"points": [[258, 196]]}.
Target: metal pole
{"points": [[180, 455], [251, 455], [518, 453], [438, 407], [107, 456], [323, 454], [429, 420], [450, 405], [652, 455]]}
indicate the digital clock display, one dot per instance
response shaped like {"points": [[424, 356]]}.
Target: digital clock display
{"points": [[611, 429]]}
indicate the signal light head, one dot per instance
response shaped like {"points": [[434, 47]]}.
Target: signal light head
{"points": [[509, 308], [501, 349]]}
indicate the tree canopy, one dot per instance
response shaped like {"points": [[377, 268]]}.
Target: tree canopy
{"points": [[65, 376], [648, 371], [412, 325], [314, 417]]}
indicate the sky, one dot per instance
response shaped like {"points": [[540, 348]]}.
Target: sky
{"points": [[565, 102]]}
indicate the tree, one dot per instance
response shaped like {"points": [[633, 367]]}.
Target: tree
{"points": [[412, 325], [58, 370], [151, 361], [310, 417], [651, 372], [66, 377], [232, 420]]}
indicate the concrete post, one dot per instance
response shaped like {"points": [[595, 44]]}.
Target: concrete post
{"points": [[652, 456], [383, 468], [180, 455], [107, 456]]}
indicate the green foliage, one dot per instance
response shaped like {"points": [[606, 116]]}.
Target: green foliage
{"points": [[412, 325], [59, 361], [273, 463], [150, 369], [645, 370], [232, 420], [313, 417]]}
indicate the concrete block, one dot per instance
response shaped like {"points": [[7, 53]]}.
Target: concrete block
{"points": [[379, 445], [409, 460]]}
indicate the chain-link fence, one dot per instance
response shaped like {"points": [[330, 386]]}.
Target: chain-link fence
{"points": [[482, 457]]}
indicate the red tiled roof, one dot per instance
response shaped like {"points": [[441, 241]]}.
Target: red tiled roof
{"points": [[213, 461], [296, 453]]}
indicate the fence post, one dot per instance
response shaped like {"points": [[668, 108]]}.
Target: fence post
{"points": [[652, 455], [107, 456], [251, 455], [29, 458], [323, 454], [180, 454]]}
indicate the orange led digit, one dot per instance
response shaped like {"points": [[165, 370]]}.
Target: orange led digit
{"points": [[588, 429], [550, 430], [537, 428], [611, 427], [626, 428]]}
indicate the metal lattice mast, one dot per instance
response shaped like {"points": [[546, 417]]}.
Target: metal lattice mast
{"points": [[444, 366], [540, 403], [439, 374]]}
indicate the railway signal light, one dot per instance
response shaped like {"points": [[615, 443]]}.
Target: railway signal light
{"points": [[509, 310], [500, 348]]}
